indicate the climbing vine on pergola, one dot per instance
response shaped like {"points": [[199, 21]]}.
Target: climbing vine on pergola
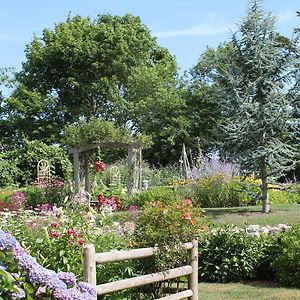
{"points": [[84, 137]]}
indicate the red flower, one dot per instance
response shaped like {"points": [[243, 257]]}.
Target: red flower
{"points": [[100, 166], [54, 233], [81, 241], [73, 233], [101, 198], [54, 224]]}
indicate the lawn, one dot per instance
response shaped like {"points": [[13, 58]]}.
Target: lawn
{"points": [[279, 213], [240, 291]]}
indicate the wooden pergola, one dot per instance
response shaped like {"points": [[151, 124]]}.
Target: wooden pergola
{"points": [[134, 163]]}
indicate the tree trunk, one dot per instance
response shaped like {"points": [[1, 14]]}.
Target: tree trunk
{"points": [[264, 186]]}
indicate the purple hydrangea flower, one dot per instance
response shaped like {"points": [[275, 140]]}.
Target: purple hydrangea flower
{"points": [[45, 278], [69, 294], [86, 288], [7, 241], [68, 278]]}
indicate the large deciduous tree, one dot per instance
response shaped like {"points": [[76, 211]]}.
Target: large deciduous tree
{"points": [[255, 84], [81, 68], [110, 68]]}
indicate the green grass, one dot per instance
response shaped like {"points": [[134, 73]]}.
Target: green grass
{"points": [[239, 291], [279, 213]]}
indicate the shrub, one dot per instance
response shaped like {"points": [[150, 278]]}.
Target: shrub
{"points": [[167, 225], [282, 197], [287, 264], [9, 170], [52, 191], [229, 254], [216, 191], [162, 194], [19, 165]]}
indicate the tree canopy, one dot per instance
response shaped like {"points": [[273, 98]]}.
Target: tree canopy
{"points": [[81, 69]]}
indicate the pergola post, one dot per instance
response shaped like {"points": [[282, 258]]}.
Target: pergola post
{"points": [[139, 165], [86, 174], [76, 170], [130, 165]]}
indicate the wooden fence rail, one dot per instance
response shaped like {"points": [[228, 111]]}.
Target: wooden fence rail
{"points": [[91, 258]]}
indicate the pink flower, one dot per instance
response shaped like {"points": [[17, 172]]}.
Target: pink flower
{"points": [[187, 216], [187, 201]]}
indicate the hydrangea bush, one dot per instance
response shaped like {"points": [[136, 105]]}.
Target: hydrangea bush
{"points": [[21, 277]]}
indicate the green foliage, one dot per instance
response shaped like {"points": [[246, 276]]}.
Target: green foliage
{"points": [[287, 264], [228, 254], [6, 194], [215, 191], [9, 170], [24, 160], [157, 108], [163, 175], [101, 56], [162, 194], [7, 281], [281, 197], [95, 130], [53, 192]]}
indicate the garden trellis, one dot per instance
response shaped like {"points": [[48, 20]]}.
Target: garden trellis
{"points": [[94, 134], [134, 163]]}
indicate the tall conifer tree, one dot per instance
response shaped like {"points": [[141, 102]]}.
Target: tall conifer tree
{"points": [[257, 98]]}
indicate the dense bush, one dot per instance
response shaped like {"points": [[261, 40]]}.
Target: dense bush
{"points": [[9, 171], [282, 197], [162, 194], [167, 225], [216, 191], [287, 264], [52, 191], [229, 254]]}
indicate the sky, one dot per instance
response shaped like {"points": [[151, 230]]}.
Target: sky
{"points": [[184, 27]]}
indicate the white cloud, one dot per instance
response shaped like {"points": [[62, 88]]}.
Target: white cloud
{"points": [[206, 29]]}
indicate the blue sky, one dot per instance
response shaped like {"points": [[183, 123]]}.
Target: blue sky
{"points": [[185, 27]]}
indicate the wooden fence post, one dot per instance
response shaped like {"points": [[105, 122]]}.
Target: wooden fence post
{"points": [[89, 265], [193, 278]]}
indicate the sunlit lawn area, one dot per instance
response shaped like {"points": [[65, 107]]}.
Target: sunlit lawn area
{"points": [[239, 291], [280, 213]]}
